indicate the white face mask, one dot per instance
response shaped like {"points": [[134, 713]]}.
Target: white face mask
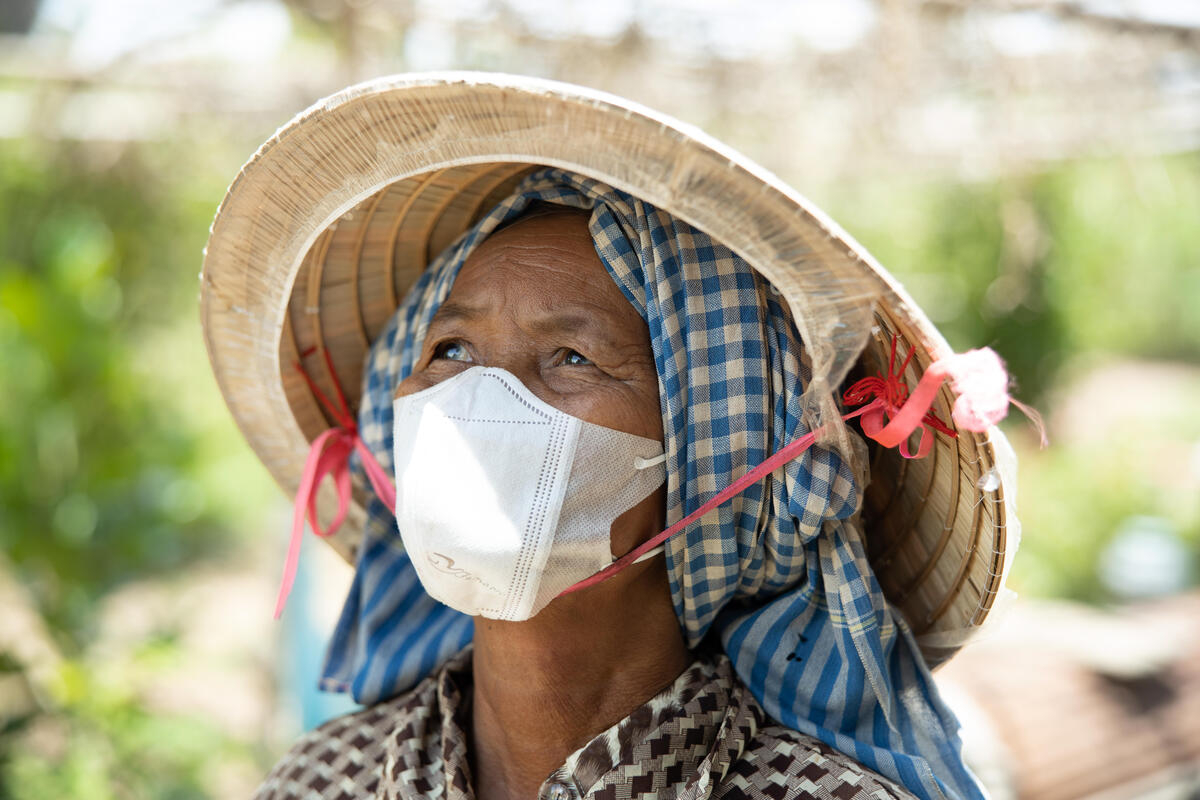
{"points": [[502, 500]]}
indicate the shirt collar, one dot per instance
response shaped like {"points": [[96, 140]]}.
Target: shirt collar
{"points": [[685, 735], [680, 724]]}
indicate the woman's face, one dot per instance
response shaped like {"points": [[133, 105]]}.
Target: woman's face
{"points": [[535, 299]]}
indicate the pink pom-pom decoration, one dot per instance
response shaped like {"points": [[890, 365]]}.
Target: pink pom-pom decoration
{"points": [[891, 413], [981, 383]]}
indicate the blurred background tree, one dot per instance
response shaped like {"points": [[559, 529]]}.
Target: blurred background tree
{"points": [[1085, 275], [101, 481], [115, 464], [1030, 170]]}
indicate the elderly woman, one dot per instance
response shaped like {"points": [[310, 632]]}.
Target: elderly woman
{"points": [[576, 371]]}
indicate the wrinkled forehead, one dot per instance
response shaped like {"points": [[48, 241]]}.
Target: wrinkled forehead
{"points": [[559, 231], [542, 271]]}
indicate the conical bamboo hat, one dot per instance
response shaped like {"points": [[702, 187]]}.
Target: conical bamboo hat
{"points": [[327, 226]]}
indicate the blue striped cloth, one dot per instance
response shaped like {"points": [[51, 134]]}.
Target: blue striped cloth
{"points": [[779, 574]]}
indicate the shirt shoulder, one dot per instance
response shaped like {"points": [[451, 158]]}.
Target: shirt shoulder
{"points": [[780, 763], [344, 758]]}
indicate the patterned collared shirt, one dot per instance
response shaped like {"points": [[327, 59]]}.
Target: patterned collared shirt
{"points": [[704, 736]]}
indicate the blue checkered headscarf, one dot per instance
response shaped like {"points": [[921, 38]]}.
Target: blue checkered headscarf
{"points": [[779, 574]]}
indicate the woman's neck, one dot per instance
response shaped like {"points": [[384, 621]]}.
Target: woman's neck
{"points": [[546, 686]]}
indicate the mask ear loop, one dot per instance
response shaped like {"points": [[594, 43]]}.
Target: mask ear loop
{"points": [[640, 463]]}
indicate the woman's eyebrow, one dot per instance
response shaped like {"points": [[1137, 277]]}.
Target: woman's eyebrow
{"points": [[596, 324], [452, 311], [600, 327]]}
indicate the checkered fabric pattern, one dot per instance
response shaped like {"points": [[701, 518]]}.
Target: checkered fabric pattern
{"points": [[704, 736], [778, 574]]}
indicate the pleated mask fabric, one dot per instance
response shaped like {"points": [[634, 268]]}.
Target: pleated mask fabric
{"points": [[778, 575]]}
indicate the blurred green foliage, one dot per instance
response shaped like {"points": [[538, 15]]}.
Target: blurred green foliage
{"points": [[117, 460], [1085, 258], [101, 473], [1063, 271], [1075, 500], [102, 742]]}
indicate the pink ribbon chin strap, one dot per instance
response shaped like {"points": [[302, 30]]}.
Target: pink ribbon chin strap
{"points": [[890, 415], [329, 455]]}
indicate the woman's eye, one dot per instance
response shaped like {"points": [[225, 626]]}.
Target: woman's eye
{"points": [[576, 359], [451, 351]]}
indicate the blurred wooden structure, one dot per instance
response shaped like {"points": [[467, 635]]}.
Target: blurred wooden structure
{"points": [[817, 91], [1069, 702]]}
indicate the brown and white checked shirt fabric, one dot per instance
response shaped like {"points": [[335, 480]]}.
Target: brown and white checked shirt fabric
{"points": [[705, 736]]}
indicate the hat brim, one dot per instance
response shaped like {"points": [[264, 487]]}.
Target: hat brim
{"points": [[326, 227]]}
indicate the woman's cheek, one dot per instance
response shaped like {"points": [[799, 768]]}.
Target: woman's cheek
{"points": [[416, 382], [431, 374], [619, 408]]}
